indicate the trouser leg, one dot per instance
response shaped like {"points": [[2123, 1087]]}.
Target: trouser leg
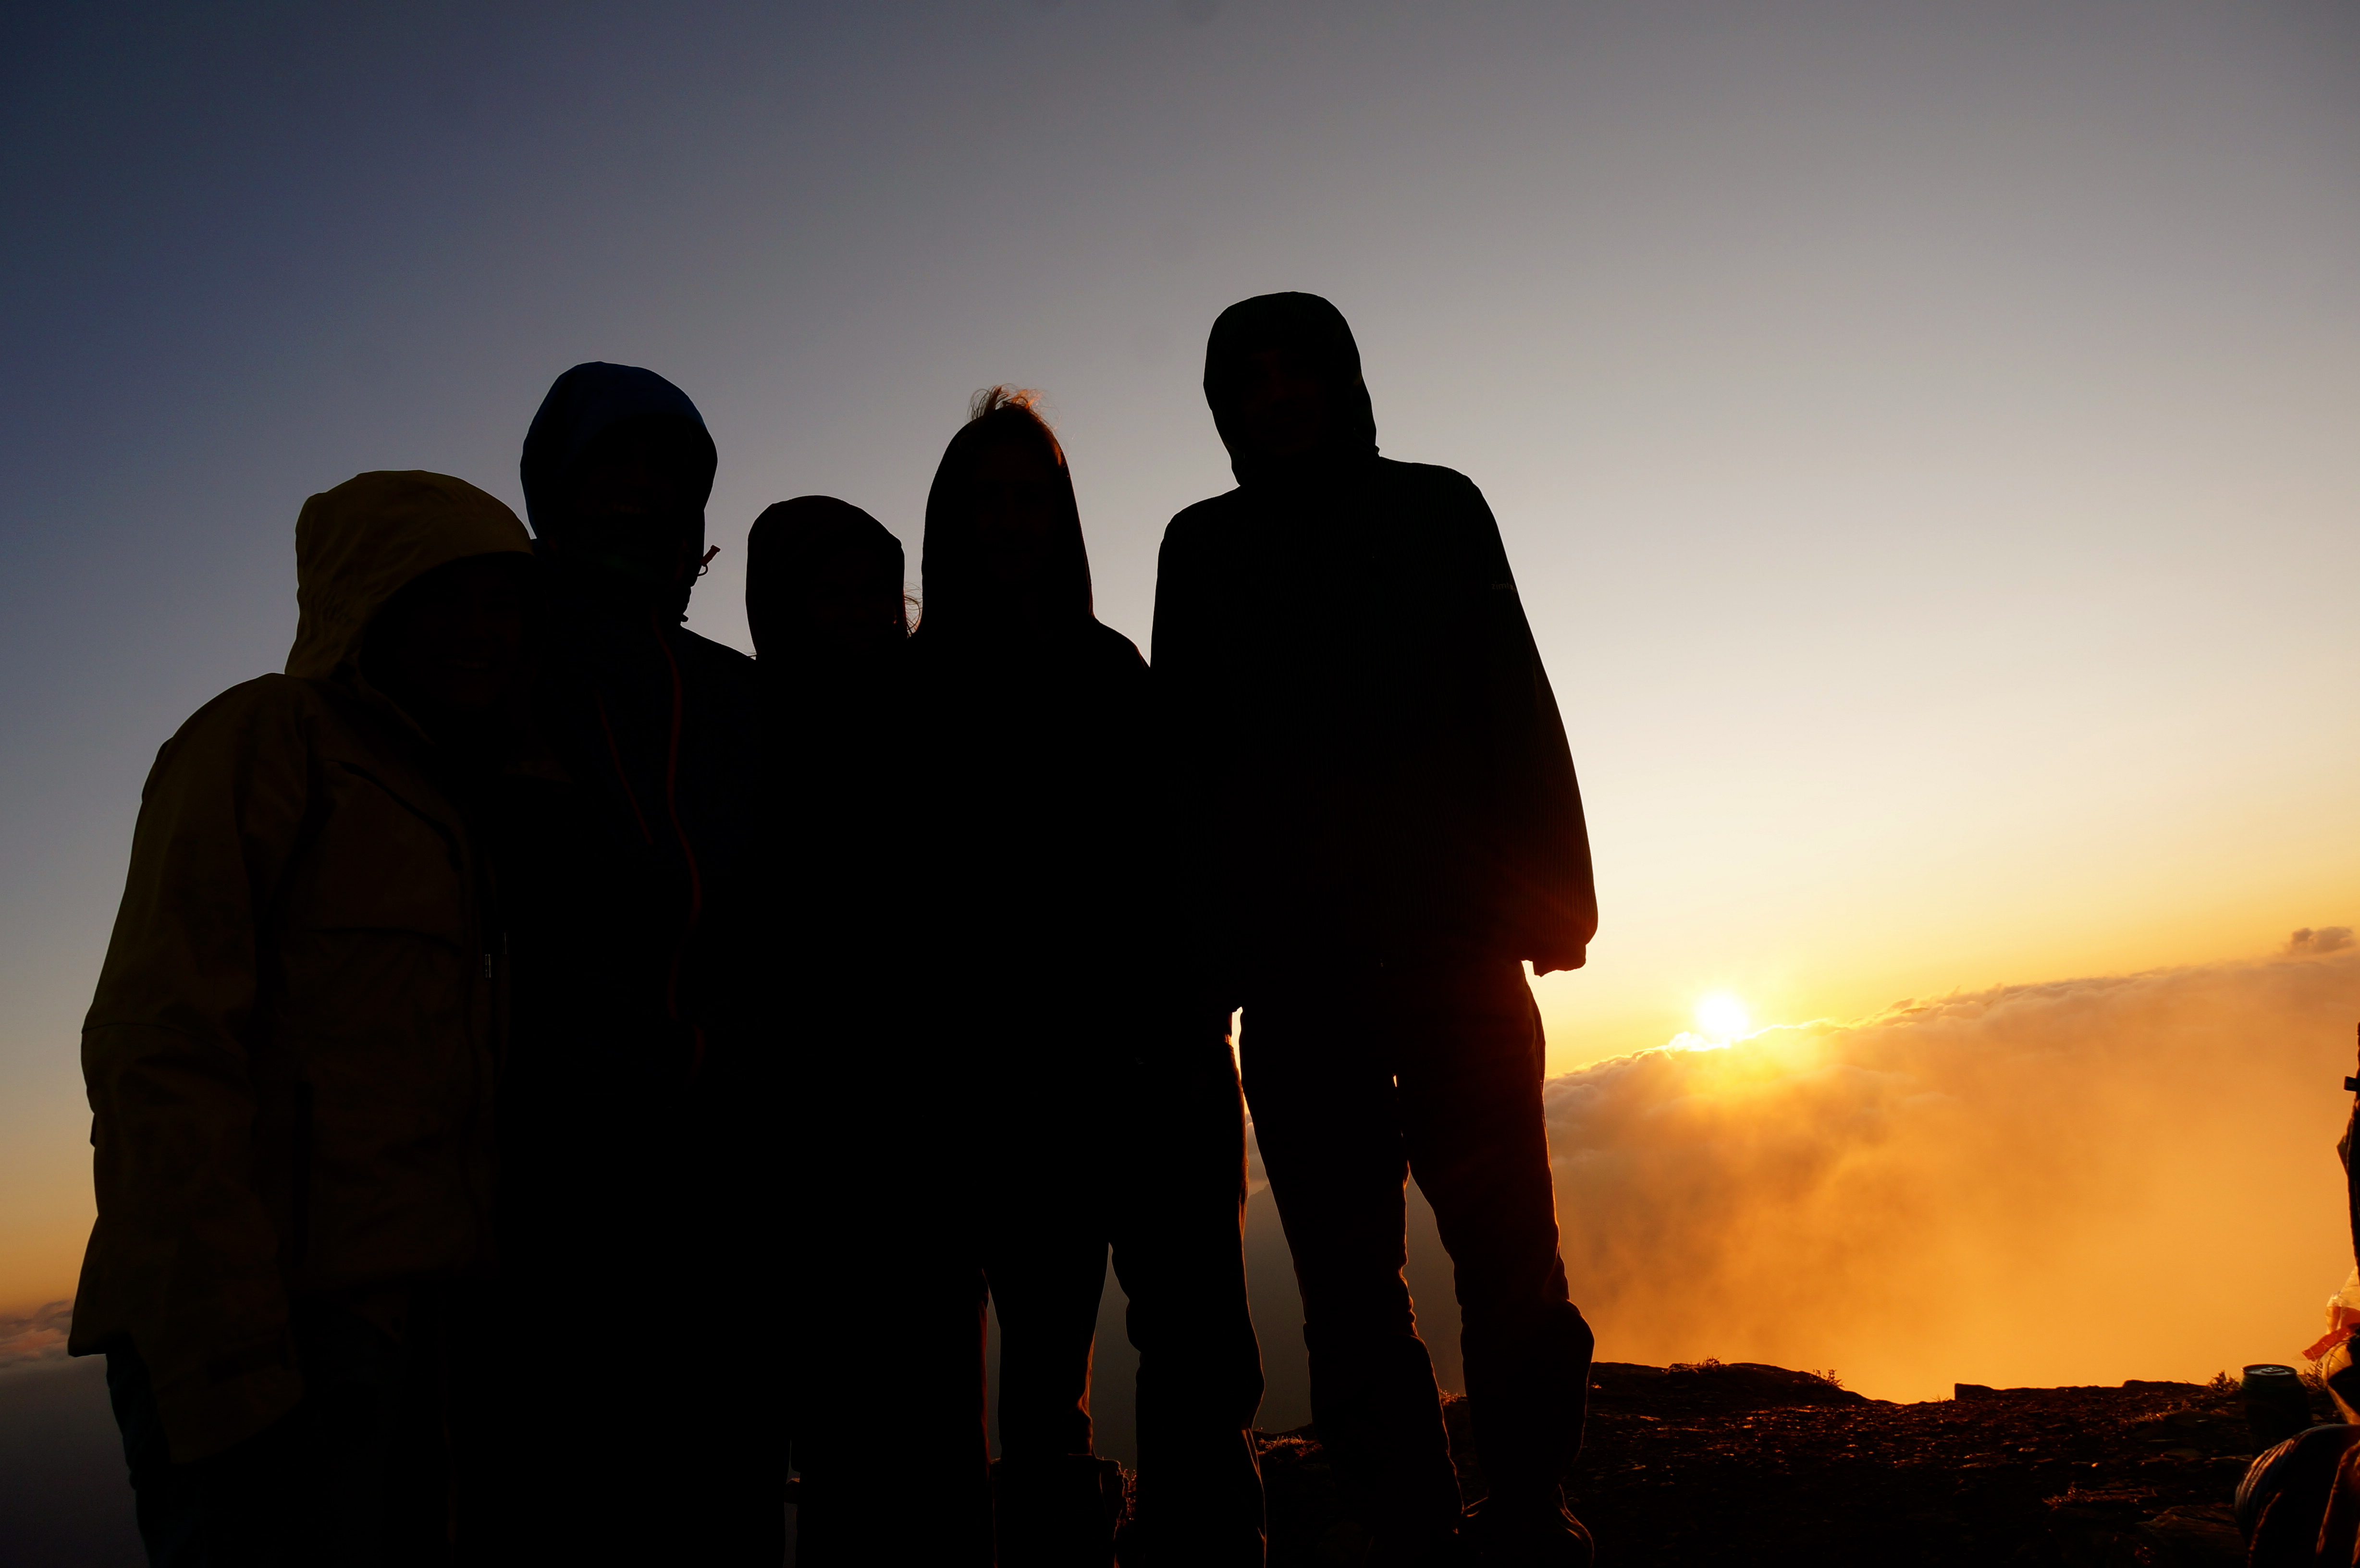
{"points": [[1045, 1260], [1046, 1278], [722, 1454], [375, 1436], [1319, 1080], [890, 1431], [887, 1339], [1177, 1253], [1470, 1072]]}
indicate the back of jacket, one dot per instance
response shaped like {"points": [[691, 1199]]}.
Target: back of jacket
{"points": [[293, 1050], [1029, 786], [1364, 737]]}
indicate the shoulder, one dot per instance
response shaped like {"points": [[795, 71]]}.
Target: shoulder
{"points": [[265, 706], [1431, 483], [716, 662], [1442, 507], [251, 728], [712, 655], [1114, 651], [1205, 523]]}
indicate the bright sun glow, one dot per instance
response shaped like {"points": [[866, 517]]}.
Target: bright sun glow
{"points": [[1721, 1017]]}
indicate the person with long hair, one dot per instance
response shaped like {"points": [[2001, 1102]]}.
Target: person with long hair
{"points": [[1089, 1092]]}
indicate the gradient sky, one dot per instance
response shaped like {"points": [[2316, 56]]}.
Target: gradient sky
{"points": [[1925, 434]]}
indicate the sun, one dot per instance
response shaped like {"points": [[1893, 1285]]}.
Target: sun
{"points": [[1721, 1017]]}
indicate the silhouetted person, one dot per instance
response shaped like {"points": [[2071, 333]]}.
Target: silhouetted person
{"points": [[824, 592], [884, 1337], [1091, 1102], [292, 1055], [643, 1132], [1389, 826]]}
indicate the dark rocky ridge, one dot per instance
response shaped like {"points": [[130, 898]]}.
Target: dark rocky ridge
{"points": [[1748, 1464]]}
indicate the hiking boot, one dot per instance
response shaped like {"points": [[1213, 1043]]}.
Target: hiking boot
{"points": [[1535, 1532]]}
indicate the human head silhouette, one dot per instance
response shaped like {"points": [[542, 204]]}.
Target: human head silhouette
{"points": [[823, 579], [1004, 552], [1283, 378], [617, 470]]}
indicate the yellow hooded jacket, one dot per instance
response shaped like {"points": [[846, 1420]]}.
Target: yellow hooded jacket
{"points": [[290, 1058]]}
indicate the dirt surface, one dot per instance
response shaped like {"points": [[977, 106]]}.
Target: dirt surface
{"points": [[1746, 1463]]}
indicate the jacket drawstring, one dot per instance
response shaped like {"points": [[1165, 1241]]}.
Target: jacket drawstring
{"points": [[614, 754], [688, 854], [680, 834]]}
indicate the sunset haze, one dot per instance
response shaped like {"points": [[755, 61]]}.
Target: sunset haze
{"points": [[1925, 437]]}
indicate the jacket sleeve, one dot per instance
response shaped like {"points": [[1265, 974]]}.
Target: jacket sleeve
{"points": [[1548, 903], [184, 1259], [1178, 645], [1186, 754]]}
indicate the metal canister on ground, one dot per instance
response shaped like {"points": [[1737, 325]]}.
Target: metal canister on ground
{"points": [[2277, 1404]]}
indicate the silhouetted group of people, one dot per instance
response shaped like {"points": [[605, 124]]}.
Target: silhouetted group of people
{"points": [[554, 1077]]}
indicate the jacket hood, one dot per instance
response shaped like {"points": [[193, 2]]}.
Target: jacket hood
{"points": [[586, 404], [359, 544], [1311, 328], [958, 599], [793, 538]]}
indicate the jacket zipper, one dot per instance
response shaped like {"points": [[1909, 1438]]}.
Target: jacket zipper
{"points": [[302, 1174]]}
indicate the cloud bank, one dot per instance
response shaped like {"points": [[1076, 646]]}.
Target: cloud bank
{"points": [[2079, 1182]]}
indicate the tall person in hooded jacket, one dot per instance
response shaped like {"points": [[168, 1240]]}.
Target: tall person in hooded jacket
{"points": [[1092, 1102], [293, 1053], [642, 1123], [1385, 816]]}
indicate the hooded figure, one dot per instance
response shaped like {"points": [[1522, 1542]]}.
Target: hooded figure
{"points": [[1390, 830], [1090, 1102], [641, 1118], [293, 1050], [825, 601], [824, 587], [884, 1456]]}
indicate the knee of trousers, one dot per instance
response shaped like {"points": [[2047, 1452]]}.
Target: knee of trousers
{"points": [[1356, 1305], [1557, 1325], [1541, 1351], [1389, 1358]]}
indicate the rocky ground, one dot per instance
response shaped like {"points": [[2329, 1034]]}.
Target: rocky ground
{"points": [[1757, 1465]]}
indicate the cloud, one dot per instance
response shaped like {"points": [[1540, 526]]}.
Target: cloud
{"points": [[36, 1336], [2326, 939], [2079, 1182]]}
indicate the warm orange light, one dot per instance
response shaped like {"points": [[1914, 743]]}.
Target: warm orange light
{"points": [[1721, 1017]]}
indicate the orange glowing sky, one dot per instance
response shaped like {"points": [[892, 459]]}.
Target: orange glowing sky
{"points": [[1924, 435]]}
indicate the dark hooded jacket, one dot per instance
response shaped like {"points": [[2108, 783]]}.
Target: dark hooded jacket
{"points": [[1378, 769], [1031, 773], [639, 921], [838, 734], [292, 1054], [843, 696]]}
